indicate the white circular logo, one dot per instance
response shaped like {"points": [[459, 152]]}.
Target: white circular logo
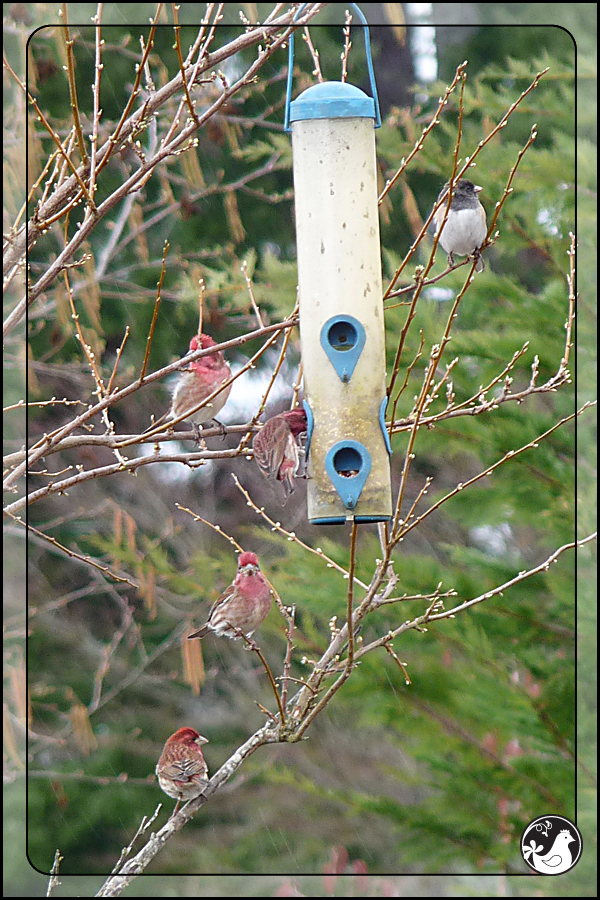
{"points": [[551, 845]]}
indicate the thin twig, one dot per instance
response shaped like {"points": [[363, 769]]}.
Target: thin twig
{"points": [[118, 355], [256, 649], [218, 15], [97, 19], [107, 653], [347, 45], [163, 269], [571, 316], [400, 664], [287, 663], [314, 53], [115, 138], [132, 675], [54, 882], [271, 382], [350, 595], [177, 28], [193, 460], [70, 553], [216, 528], [84, 778], [423, 272], [508, 187], [144, 825], [101, 391], [22, 404], [248, 280], [404, 385], [543, 567], [72, 83]]}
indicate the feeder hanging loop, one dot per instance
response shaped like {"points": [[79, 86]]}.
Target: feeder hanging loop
{"points": [[374, 98]]}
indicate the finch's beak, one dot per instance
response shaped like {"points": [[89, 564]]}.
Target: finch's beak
{"points": [[478, 188]]}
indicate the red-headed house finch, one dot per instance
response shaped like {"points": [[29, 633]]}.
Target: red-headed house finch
{"points": [[276, 449], [181, 770], [244, 605], [197, 382]]}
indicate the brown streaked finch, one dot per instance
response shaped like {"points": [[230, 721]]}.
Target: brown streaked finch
{"points": [[276, 448], [199, 380], [181, 770], [243, 606]]}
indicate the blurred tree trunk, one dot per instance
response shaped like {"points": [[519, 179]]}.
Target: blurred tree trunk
{"points": [[394, 69], [455, 23]]}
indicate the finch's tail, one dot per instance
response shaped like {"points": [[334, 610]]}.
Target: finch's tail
{"points": [[202, 632]]}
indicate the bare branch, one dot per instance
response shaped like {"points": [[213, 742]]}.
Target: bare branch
{"points": [[64, 196], [115, 884], [54, 880]]}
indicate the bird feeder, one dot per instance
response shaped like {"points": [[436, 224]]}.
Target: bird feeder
{"points": [[341, 302]]}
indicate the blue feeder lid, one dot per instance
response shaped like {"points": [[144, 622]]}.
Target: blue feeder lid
{"points": [[332, 100]]}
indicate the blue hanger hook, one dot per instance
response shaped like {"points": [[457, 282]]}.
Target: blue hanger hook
{"points": [[288, 95]]}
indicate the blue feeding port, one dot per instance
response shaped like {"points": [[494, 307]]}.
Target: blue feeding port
{"points": [[384, 430], [343, 338], [348, 464], [310, 424]]}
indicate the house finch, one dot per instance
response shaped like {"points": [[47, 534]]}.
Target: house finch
{"points": [[244, 605], [181, 770], [197, 382], [276, 449]]}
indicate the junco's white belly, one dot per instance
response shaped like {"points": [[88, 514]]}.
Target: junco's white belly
{"points": [[463, 232]]}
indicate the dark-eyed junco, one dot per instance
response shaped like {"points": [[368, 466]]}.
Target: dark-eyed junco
{"points": [[465, 227]]}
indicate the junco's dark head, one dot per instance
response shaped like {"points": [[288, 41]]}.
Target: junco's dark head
{"points": [[466, 227]]}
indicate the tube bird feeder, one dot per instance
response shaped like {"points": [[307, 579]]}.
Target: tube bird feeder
{"points": [[341, 300]]}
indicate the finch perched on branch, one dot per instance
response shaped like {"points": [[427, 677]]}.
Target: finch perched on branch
{"points": [[276, 448], [244, 605], [466, 227], [181, 770], [197, 382]]}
